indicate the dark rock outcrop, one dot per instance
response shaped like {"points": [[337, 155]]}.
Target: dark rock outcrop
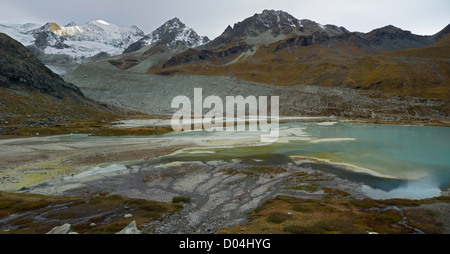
{"points": [[20, 69], [29, 88]]}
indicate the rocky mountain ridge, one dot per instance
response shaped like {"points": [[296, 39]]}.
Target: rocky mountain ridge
{"points": [[63, 48], [271, 26], [384, 60]]}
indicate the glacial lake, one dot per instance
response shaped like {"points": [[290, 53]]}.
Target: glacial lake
{"points": [[392, 161], [389, 161]]}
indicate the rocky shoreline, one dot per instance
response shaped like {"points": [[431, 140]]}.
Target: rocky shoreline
{"points": [[217, 197], [220, 194]]}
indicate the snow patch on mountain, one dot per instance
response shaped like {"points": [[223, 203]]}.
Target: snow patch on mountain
{"points": [[102, 22], [68, 31], [102, 32], [80, 50], [76, 41], [20, 32], [189, 37]]}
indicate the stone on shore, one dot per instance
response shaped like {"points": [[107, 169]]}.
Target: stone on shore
{"points": [[61, 230], [130, 229]]}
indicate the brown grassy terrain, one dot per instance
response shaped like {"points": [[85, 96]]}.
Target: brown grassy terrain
{"points": [[340, 215], [35, 104], [147, 131], [37, 214], [423, 72], [97, 125], [19, 109]]}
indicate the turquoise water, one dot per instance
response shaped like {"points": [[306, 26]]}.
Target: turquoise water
{"points": [[392, 149], [390, 161], [418, 154], [397, 161]]}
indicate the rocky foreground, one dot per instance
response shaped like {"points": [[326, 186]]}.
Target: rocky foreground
{"points": [[232, 198], [102, 184]]}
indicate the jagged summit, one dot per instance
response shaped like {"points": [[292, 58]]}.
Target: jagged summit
{"points": [[172, 34], [389, 30], [270, 26], [276, 18], [174, 23]]}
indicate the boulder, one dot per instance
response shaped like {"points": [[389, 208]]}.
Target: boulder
{"points": [[61, 230], [130, 229]]}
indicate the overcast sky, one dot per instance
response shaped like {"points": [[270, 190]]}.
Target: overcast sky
{"points": [[211, 17]]}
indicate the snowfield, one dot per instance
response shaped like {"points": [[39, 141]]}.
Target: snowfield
{"points": [[78, 42]]}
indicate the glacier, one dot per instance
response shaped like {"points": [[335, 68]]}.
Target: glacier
{"points": [[76, 41]]}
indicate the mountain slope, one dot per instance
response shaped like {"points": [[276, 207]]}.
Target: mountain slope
{"points": [[29, 89], [390, 38], [353, 60], [173, 33], [174, 38], [169, 39]]}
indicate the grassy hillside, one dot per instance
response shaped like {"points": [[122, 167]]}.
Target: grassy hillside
{"points": [[94, 213], [423, 72], [336, 214]]}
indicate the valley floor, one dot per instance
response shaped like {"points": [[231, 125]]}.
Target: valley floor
{"points": [[219, 196]]}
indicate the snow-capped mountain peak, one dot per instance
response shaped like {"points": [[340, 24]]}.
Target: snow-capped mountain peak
{"points": [[82, 41], [172, 34], [174, 23], [20, 32], [57, 45]]}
